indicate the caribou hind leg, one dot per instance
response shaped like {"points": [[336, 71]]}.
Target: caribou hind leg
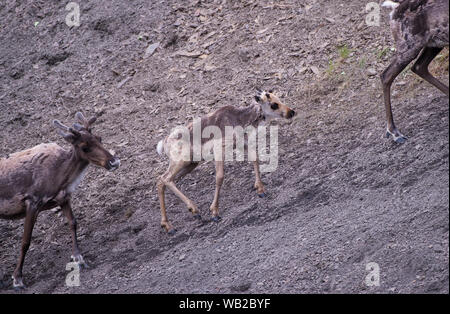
{"points": [[175, 171], [186, 170], [421, 68]]}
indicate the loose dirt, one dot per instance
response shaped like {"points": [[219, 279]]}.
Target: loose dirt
{"points": [[343, 196]]}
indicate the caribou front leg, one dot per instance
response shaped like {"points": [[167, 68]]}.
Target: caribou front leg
{"points": [[399, 63], [30, 220], [76, 255], [219, 181], [259, 186]]}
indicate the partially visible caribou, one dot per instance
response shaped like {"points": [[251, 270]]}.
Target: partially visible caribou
{"points": [[418, 26], [45, 176]]}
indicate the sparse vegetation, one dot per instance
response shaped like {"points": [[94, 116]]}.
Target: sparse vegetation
{"points": [[344, 52], [382, 53], [362, 62], [335, 65], [330, 68], [440, 64]]}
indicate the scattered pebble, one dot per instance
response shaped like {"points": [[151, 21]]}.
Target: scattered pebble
{"points": [[371, 72]]}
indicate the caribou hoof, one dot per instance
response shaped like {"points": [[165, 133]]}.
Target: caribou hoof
{"points": [[19, 288], [400, 140], [396, 136], [171, 232], [262, 195], [80, 261], [216, 218], [197, 217], [18, 284]]}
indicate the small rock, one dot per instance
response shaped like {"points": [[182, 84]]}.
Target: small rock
{"points": [[150, 50], [302, 70], [371, 72], [123, 82], [193, 54], [209, 67], [182, 257], [438, 249], [360, 26], [242, 287], [315, 70]]}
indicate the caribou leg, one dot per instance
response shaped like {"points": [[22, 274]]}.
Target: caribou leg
{"points": [[421, 68], [219, 181], [167, 179], [30, 220], [76, 256], [400, 62], [259, 186]]}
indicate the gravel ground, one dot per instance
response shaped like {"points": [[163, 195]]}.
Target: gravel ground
{"points": [[342, 197]]}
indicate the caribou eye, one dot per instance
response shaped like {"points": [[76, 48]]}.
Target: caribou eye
{"points": [[86, 149], [274, 106]]}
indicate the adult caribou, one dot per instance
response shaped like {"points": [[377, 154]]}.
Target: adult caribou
{"points": [[418, 26], [45, 176]]}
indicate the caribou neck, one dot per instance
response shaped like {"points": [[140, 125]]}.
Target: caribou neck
{"points": [[73, 168], [253, 115]]}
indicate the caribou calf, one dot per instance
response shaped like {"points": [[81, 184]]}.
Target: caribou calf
{"points": [[267, 106], [418, 26], [45, 177]]}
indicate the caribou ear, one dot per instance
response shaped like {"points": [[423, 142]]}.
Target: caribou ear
{"points": [[80, 117], [258, 99]]}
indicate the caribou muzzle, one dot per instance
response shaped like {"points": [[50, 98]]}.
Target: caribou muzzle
{"points": [[113, 164]]}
